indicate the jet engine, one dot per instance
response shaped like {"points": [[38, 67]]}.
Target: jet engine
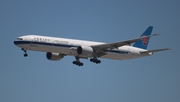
{"points": [[85, 50], [54, 56]]}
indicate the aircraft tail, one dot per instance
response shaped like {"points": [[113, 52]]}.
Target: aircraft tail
{"points": [[143, 43]]}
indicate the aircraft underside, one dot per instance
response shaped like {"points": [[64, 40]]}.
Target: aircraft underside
{"points": [[57, 53]]}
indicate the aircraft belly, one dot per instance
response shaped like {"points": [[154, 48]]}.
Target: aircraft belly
{"points": [[68, 51], [46, 48]]}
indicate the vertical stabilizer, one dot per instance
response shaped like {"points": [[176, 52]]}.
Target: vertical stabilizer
{"points": [[143, 43]]}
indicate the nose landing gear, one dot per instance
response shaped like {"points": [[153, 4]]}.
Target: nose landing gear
{"points": [[25, 52]]}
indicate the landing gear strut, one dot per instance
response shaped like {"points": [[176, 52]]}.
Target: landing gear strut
{"points": [[95, 60], [77, 62], [25, 52]]}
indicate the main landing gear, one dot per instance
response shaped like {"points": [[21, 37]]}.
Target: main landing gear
{"points": [[77, 62], [25, 52], [95, 60]]}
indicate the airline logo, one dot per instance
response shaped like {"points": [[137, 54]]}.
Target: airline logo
{"points": [[145, 40]]}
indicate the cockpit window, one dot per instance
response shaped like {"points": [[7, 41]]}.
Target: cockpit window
{"points": [[19, 39]]}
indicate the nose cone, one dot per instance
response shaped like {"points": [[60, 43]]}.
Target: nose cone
{"points": [[15, 42]]}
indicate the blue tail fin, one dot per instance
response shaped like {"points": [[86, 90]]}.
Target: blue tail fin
{"points": [[143, 43]]}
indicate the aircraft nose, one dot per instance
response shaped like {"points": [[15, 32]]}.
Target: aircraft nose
{"points": [[15, 42]]}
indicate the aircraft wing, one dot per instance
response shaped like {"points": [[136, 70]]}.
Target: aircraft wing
{"points": [[157, 50], [103, 47]]}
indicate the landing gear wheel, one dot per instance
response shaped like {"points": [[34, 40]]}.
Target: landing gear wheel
{"points": [[25, 55], [74, 62], [77, 62], [81, 64], [91, 60], [98, 61], [95, 60]]}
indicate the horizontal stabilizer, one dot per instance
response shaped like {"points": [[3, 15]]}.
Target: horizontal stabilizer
{"points": [[157, 50]]}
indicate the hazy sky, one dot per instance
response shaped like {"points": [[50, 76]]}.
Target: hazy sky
{"points": [[36, 79]]}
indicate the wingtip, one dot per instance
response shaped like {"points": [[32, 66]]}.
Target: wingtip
{"points": [[155, 34], [168, 49], [151, 35]]}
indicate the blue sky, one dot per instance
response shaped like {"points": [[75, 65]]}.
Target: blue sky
{"points": [[35, 79]]}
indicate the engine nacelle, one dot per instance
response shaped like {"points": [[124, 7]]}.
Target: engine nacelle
{"points": [[54, 56], [85, 50]]}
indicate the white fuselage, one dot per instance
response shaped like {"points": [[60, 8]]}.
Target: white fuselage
{"points": [[66, 47]]}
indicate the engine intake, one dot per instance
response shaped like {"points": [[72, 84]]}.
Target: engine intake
{"points": [[85, 50], [54, 56]]}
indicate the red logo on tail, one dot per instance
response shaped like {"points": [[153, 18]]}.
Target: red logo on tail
{"points": [[145, 40]]}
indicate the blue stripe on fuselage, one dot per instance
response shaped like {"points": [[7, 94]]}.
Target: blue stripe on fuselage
{"points": [[61, 45], [42, 43]]}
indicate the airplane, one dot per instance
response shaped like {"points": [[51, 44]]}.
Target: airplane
{"points": [[56, 48]]}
